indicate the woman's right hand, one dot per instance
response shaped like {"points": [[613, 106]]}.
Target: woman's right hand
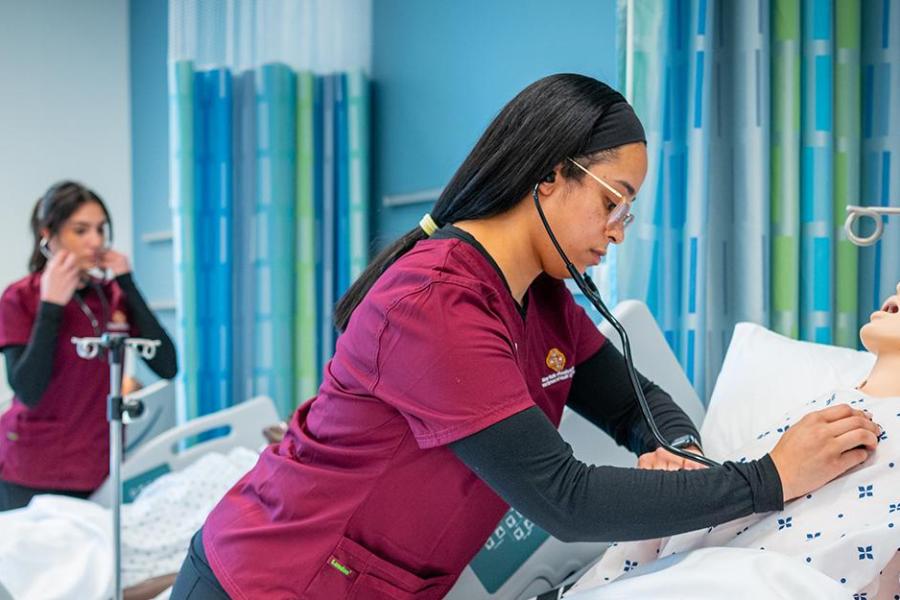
{"points": [[821, 446], [61, 278]]}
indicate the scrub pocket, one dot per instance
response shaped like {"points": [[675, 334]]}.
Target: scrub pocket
{"points": [[351, 571]]}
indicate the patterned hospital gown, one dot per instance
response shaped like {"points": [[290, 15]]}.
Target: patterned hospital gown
{"points": [[157, 527], [848, 529]]}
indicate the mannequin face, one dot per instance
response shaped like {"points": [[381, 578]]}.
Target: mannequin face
{"points": [[882, 332]]}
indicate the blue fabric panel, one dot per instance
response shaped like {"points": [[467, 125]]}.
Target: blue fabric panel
{"points": [[329, 216], [822, 253], [322, 353], [276, 218], [881, 95], [698, 91], [701, 18], [677, 189], [342, 185], [822, 176], [692, 278], [808, 198], [202, 236], [213, 192], [821, 19], [183, 189], [824, 91], [244, 214], [220, 195], [868, 100], [691, 348]]}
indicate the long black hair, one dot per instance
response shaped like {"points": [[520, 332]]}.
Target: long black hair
{"points": [[53, 209], [549, 120]]}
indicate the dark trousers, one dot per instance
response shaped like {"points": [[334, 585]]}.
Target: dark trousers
{"points": [[196, 581], [13, 495]]}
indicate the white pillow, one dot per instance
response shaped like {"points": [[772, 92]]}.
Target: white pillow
{"points": [[764, 375]]}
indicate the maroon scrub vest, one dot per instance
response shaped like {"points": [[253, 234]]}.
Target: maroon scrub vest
{"points": [[62, 443], [363, 498]]}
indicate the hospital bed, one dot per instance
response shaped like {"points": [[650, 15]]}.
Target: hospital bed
{"points": [[763, 375], [239, 425], [520, 560], [158, 399]]}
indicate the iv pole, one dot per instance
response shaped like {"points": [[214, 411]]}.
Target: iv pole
{"points": [[118, 411]]}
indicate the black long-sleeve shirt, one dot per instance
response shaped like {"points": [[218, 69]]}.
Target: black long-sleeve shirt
{"points": [[526, 461], [601, 393], [30, 367]]}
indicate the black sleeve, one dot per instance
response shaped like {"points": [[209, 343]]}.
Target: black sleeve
{"points": [[30, 367], [165, 363], [524, 459], [601, 392]]}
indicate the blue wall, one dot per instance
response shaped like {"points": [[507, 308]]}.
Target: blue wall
{"points": [[148, 48], [442, 70]]}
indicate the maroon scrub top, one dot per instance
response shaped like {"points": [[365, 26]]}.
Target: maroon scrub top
{"points": [[63, 442], [363, 498]]}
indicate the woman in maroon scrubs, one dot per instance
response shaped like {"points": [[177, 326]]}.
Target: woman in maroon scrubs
{"points": [[461, 346], [54, 438]]}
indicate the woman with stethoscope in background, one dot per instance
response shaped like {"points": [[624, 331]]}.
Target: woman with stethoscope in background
{"points": [[55, 436]]}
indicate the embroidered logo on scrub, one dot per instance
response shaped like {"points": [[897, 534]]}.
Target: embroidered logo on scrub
{"points": [[556, 360]]}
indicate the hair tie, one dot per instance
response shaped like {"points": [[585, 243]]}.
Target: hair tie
{"points": [[428, 225]]}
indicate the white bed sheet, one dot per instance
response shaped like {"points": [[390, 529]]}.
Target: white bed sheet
{"points": [[848, 530], [60, 548], [57, 547], [713, 574]]}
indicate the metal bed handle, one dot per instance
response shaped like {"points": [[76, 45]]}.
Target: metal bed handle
{"points": [[875, 213]]}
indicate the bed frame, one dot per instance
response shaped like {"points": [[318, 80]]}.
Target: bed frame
{"points": [[170, 451], [521, 561]]}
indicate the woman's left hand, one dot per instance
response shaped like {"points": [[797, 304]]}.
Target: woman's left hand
{"points": [[664, 460], [115, 262]]}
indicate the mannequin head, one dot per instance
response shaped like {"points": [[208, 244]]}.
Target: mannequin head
{"points": [[882, 333]]}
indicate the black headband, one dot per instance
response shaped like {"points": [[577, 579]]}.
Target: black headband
{"points": [[617, 126]]}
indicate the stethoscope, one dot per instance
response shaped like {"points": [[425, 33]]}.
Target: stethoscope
{"points": [[587, 287], [104, 304]]}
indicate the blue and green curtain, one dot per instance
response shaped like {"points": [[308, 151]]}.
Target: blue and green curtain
{"points": [[765, 119], [270, 197]]}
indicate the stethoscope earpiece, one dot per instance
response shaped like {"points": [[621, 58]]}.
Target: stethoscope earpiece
{"points": [[44, 247]]}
